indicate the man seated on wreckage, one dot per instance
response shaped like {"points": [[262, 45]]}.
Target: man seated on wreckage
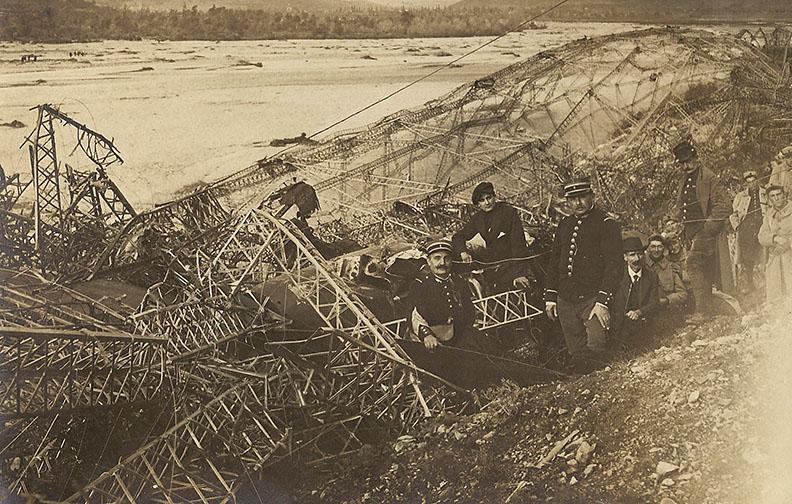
{"points": [[499, 226]]}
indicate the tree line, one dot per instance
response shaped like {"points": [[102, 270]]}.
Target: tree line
{"points": [[81, 20]]}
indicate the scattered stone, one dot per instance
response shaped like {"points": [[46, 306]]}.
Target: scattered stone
{"points": [[664, 468], [583, 453], [699, 343], [562, 411], [577, 410], [668, 482], [573, 480], [588, 470], [573, 465], [549, 437], [694, 396]]}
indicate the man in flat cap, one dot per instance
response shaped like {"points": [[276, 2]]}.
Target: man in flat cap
{"points": [[748, 207], [443, 312], [584, 270], [500, 227], [637, 298], [781, 169], [704, 208]]}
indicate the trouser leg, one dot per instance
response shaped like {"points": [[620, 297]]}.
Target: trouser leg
{"points": [[700, 282], [586, 340], [572, 328]]}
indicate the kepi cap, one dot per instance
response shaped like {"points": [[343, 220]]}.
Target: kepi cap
{"points": [[439, 245], [684, 151], [577, 188]]}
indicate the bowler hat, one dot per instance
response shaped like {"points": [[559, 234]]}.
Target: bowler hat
{"points": [[633, 244]]}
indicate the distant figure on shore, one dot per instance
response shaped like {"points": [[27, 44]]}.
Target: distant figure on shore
{"points": [[776, 236]]}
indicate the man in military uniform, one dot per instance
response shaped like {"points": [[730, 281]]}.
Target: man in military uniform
{"points": [[443, 312], [584, 270], [704, 208]]}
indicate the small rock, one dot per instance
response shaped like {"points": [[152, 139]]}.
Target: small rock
{"points": [[607, 368], [562, 411], [666, 500], [583, 452], [577, 410], [459, 435], [573, 480], [573, 465], [699, 343], [664, 468], [667, 482], [588, 470], [694, 396], [549, 437]]}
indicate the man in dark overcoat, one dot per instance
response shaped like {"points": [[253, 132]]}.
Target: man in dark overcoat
{"points": [[704, 209]]}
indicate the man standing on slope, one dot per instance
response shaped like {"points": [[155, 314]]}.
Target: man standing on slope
{"points": [[584, 271]]}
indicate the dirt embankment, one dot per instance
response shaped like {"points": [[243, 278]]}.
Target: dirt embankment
{"points": [[701, 419]]}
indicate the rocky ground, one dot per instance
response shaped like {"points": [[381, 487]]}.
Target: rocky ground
{"points": [[702, 418]]}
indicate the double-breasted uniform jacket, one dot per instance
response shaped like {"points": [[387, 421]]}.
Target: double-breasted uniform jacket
{"points": [[711, 236], [442, 301], [646, 296], [586, 259]]}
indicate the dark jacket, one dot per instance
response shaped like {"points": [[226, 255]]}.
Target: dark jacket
{"points": [[647, 299], [711, 239], [713, 199], [586, 260], [438, 300], [501, 230]]}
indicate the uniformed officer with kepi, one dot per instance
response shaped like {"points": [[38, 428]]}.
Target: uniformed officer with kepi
{"points": [[586, 264]]}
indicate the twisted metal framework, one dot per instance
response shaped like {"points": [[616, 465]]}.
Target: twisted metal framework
{"points": [[608, 107], [247, 382], [64, 237]]}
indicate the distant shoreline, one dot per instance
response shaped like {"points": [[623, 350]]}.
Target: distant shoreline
{"points": [[81, 21]]}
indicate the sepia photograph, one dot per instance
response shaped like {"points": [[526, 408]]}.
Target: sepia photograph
{"points": [[395, 251]]}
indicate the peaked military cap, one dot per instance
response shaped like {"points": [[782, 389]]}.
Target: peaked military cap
{"points": [[684, 151], [577, 188], [439, 245]]}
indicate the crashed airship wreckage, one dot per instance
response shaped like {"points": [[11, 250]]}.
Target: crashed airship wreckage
{"points": [[167, 355]]}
